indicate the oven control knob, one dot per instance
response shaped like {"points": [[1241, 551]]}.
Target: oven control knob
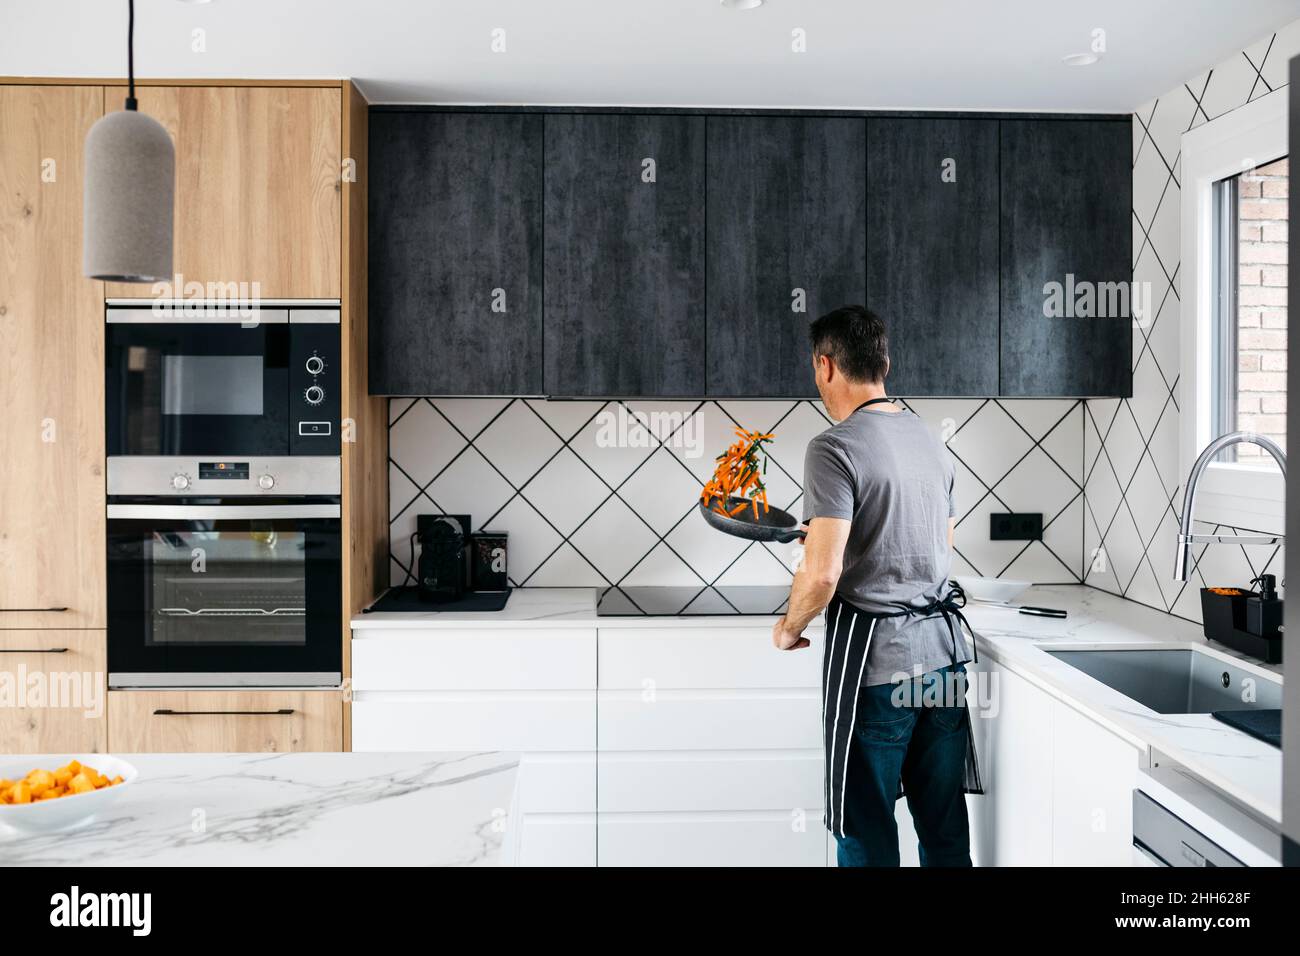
{"points": [[314, 395], [266, 482], [315, 365], [180, 482]]}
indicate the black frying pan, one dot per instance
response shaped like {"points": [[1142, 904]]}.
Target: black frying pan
{"points": [[770, 525]]}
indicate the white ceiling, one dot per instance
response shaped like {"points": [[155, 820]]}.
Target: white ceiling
{"points": [[921, 54]]}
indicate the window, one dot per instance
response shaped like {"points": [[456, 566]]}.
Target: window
{"points": [[1232, 296], [1250, 298]]}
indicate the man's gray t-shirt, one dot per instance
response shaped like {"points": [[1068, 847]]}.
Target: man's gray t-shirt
{"points": [[892, 479]]}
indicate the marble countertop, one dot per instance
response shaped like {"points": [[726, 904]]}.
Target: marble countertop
{"points": [[1246, 770], [299, 809], [548, 608]]}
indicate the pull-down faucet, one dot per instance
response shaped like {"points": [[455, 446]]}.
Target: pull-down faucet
{"points": [[1182, 564]]}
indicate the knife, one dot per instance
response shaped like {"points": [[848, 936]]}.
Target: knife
{"points": [[1026, 609], [1041, 611]]}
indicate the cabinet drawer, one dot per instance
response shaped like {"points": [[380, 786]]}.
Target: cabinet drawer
{"points": [[506, 659], [557, 840], [272, 721], [698, 657], [684, 720], [557, 783], [761, 780], [59, 690], [758, 839], [534, 722]]}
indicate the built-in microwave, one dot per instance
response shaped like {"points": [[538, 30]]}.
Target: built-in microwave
{"points": [[185, 379]]}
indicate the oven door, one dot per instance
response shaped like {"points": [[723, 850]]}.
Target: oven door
{"points": [[217, 384], [225, 593]]}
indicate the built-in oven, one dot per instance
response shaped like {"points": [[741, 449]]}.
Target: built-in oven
{"points": [[233, 580], [205, 379]]}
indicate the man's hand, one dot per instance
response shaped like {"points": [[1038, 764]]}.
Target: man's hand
{"points": [[786, 639], [814, 582]]}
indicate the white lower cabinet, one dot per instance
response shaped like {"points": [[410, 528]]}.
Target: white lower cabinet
{"points": [[690, 746], [709, 749], [715, 839], [1058, 786], [1093, 776], [1011, 822], [526, 690]]}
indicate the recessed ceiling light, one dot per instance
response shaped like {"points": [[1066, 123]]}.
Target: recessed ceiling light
{"points": [[1080, 59], [742, 4]]}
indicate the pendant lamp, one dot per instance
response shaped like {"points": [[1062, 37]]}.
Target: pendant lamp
{"points": [[130, 182]]}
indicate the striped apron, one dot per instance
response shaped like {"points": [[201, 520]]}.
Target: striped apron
{"points": [[849, 631]]}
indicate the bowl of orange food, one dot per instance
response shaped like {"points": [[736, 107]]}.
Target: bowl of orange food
{"points": [[45, 796]]}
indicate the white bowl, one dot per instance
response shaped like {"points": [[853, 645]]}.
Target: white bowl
{"points": [[993, 590], [50, 816]]}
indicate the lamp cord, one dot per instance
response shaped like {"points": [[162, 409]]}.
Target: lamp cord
{"points": [[130, 55]]}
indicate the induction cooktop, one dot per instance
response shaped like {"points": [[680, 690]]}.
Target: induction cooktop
{"points": [[650, 601]]}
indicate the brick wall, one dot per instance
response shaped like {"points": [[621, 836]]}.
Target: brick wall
{"points": [[1261, 301]]}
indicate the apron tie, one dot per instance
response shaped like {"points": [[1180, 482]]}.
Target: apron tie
{"points": [[949, 608]]}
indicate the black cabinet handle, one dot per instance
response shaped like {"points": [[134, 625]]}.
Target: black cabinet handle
{"points": [[32, 610], [168, 712], [33, 650]]}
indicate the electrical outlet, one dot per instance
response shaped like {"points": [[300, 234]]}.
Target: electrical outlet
{"points": [[1016, 527]]}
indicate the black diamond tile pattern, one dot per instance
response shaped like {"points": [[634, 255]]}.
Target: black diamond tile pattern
{"points": [[589, 506], [1132, 481]]}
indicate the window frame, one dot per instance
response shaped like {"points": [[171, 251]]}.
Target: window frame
{"points": [[1238, 494]]}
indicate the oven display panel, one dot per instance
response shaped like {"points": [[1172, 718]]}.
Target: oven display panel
{"points": [[223, 469]]}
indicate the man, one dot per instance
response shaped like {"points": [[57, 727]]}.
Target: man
{"points": [[878, 503]]}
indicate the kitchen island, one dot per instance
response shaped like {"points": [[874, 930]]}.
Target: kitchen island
{"points": [[298, 809]]}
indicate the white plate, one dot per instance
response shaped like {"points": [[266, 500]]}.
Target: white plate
{"points": [[993, 590], [50, 816]]}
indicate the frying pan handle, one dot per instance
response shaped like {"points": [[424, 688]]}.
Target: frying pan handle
{"points": [[796, 535]]}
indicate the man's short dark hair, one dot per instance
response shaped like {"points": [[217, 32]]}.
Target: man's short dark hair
{"points": [[855, 338]]}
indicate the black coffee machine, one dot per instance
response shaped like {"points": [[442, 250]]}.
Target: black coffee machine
{"points": [[442, 572]]}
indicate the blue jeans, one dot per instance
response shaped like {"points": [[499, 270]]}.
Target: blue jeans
{"points": [[923, 744]]}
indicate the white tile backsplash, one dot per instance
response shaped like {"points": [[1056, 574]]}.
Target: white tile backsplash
{"points": [[596, 493], [1133, 483]]}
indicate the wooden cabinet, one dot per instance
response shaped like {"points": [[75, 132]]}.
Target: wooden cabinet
{"points": [[51, 367], [624, 255], [56, 692], [932, 252], [455, 253], [203, 721], [1066, 251], [787, 242], [258, 188]]}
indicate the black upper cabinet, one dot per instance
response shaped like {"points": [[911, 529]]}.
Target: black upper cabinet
{"points": [[932, 251], [1067, 195], [786, 243], [455, 253], [624, 255], [639, 254]]}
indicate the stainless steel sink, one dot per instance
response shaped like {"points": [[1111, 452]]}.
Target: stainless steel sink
{"points": [[1176, 680]]}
